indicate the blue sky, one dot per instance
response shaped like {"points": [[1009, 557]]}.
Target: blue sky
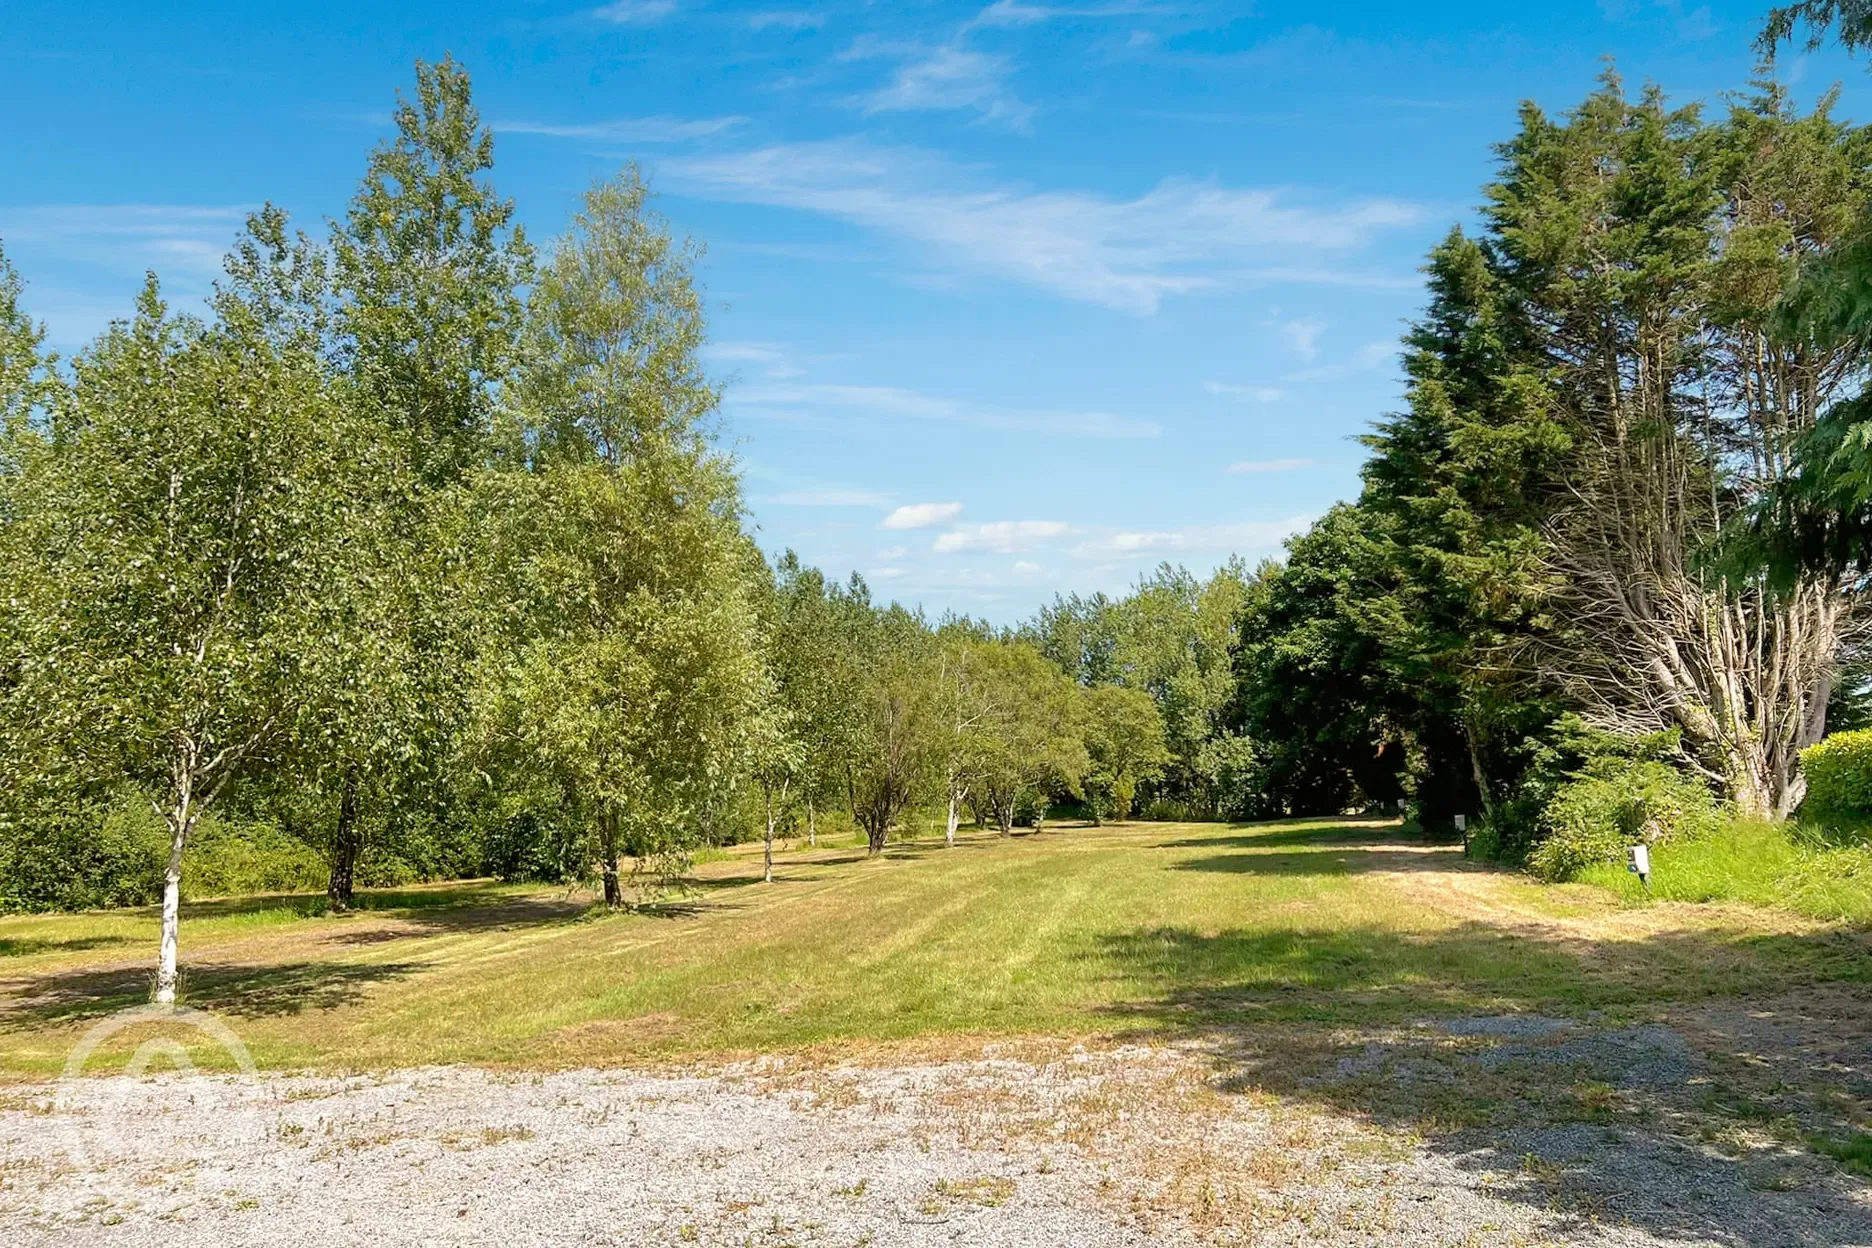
{"points": [[1009, 298]]}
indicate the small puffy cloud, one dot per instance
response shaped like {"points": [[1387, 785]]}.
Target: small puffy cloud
{"points": [[1003, 537], [1270, 465], [921, 515], [1260, 394]]}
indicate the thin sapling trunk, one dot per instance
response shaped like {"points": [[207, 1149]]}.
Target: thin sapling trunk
{"points": [[608, 856], [347, 846]]}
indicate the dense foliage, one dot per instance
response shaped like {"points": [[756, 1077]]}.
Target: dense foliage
{"points": [[1614, 371]]}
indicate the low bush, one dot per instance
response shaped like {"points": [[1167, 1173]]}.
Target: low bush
{"points": [[234, 859], [1839, 773], [1615, 802]]}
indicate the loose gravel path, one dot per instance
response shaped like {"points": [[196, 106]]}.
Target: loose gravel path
{"points": [[1035, 1143]]}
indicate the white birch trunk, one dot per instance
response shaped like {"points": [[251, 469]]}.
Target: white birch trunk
{"points": [[180, 820], [955, 815]]}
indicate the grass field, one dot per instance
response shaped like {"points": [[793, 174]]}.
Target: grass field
{"points": [[1155, 929]]}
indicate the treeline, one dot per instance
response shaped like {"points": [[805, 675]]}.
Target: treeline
{"points": [[415, 557], [1572, 600]]}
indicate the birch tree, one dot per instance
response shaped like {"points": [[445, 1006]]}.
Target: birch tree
{"points": [[175, 544], [631, 670]]}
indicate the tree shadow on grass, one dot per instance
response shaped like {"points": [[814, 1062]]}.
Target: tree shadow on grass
{"points": [[1499, 1043], [235, 990], [467, 895], [25, 947], [1330, 860], [507, 914], [1349, 831]]}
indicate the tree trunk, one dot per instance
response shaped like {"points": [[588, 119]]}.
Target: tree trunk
{"points": [[955, 817], [812, 827], [608, 855], [181, 820], [1481, 781], [347, 846], [767, 852]]}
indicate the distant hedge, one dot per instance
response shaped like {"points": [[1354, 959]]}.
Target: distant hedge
{"points": [[1839, 773]]}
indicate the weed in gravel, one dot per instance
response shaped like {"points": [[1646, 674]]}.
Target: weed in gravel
{"points": [[1853, 1153], [988, 1191]]}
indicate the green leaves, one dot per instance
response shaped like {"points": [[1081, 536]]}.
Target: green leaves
{"points": [[173, 551], [430, 269]]}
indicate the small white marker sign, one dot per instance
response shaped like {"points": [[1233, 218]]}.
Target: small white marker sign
{"points": [[1639, 863]]}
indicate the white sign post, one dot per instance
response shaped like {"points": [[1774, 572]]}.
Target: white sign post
{"points": [[1639, 864]]}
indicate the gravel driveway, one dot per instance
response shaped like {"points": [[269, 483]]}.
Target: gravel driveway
{"points": [[1028, 1144]]}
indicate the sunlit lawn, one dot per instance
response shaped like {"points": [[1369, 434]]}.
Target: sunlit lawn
{"points": [[1155, 928]]}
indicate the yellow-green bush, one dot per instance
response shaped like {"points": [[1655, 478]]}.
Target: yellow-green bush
{"points": [[1839, 773]]}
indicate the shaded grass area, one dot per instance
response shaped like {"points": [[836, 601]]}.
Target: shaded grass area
{"points": [[1145, 928]]}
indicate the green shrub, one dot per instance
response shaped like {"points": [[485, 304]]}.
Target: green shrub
{"points": [[1615, 802], [1839, 773], [232, 858], [66, 853]]}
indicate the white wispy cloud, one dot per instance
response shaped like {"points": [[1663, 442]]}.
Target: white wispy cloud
{"points": [[634, 12], [1002, 537], [1180, 237], [1302, 337], [774, 361], [827, 497], [1244, 538], [920, 515], [786, 19], [947, 78], [909, 404], [626, 129], [1260, 394], [1368, 358], [129, 237], [1020, 13], [1269, 465]]}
